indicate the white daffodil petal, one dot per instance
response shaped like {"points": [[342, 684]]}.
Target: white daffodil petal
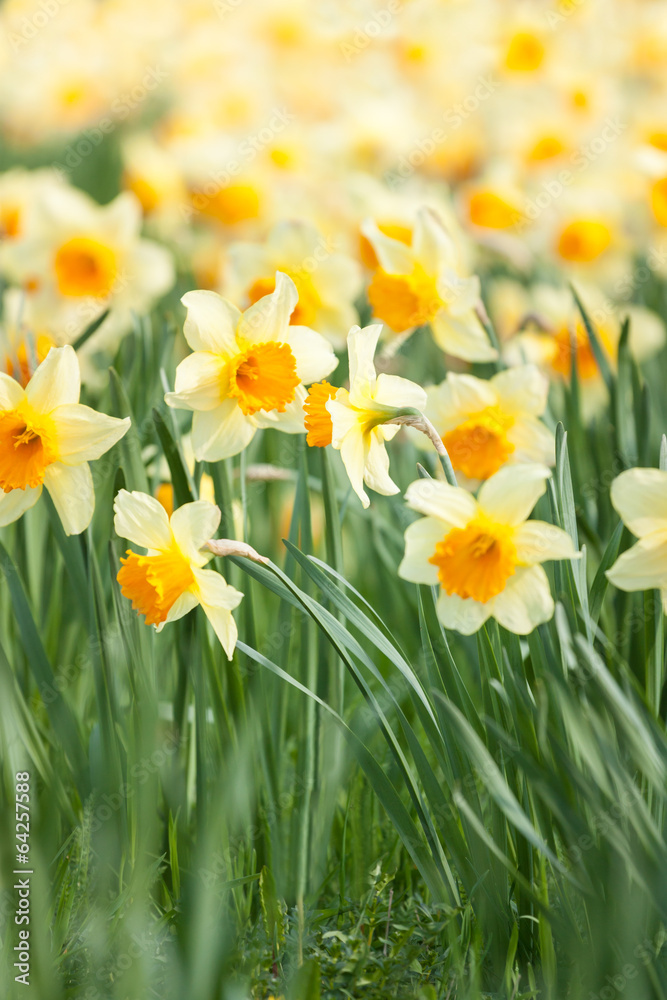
{"points": [[525, 602], [218, 599], [11, 393], [460, 295], [532, 440], [71, 489], [83, 435], [449, 504], [642, 567], [352, 452], [15, 503], [152, 270], [458, 397], [640, 497], [181, 606], [56, 382], [537, 541], [221, 433], [268, 318], [421, 538], [376, 466], [392, 390], [462, 336], [393, 256], [314, 355], [200, 381], [142, 520], [210, 324], [432, 245], [462, 614], [509, 496], [361, 344], [345, 418], [192, 525], [523, 389]]}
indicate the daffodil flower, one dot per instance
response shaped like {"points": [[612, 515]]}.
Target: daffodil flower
{"points": [[47, 439], [640, 497], [328, 282], [78, 258], [487, 423], [355, 421], [483, 553], [169, 579], [556, 338], [248, 370], [424, 283]]}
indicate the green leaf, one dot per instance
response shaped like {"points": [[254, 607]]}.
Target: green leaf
{"points": [[90, 330], [61, 716], [180, 477], [272, 911]]}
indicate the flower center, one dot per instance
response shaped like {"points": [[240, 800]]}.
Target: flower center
{"points": [[10, 221], [583, 241], [147, 193], [476, 561], [658, 139], [85, 267], [546, 148], [404, 300], [230, 204], [26, 449], [264, 377], [488, 209], [305, 311], [659, 201], [525, 52], [318, 419], [479, 447], [154, 583], [587, 366]]}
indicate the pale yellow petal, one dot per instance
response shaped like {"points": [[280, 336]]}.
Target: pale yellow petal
{"points": [[56, 382], [142, 520], [83, 434], [71, 489], [509, 496], [640, 497]]}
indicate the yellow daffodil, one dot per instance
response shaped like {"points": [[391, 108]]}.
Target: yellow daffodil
{"points": [[555, 325], [79, 258], [423, 283], [47, 439], [640, 497], [327, 280], [483, 553], [248, 370], [354, 421], [485, 424], [169, 580]]}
